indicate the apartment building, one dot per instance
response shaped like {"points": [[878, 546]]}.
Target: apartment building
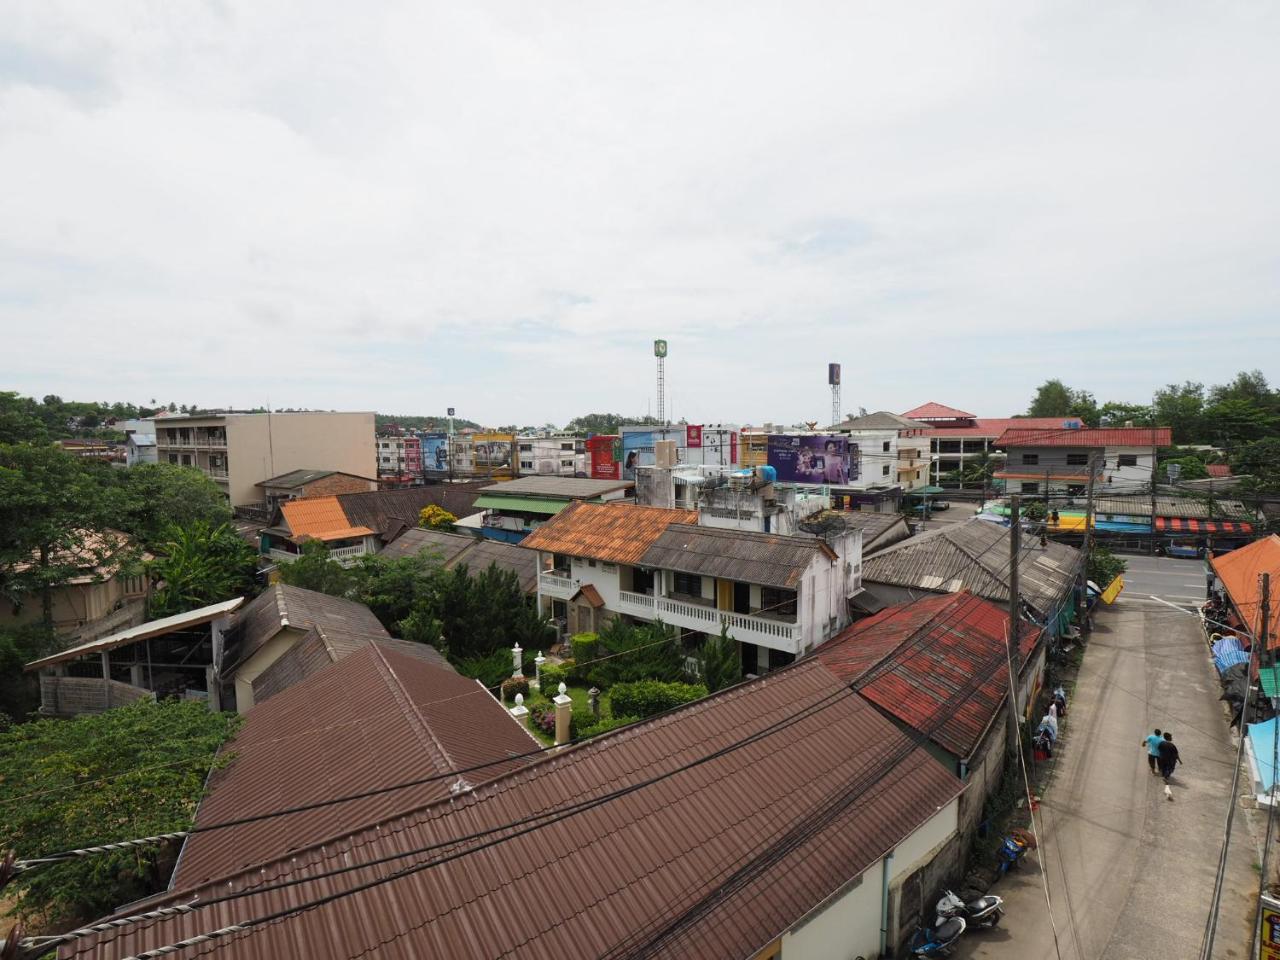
{"points": [[779, 596], [241, 450], [552, 455], [399, 460], [1058, 462], [891, 449]]}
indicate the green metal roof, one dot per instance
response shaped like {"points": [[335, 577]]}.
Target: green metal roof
{"points": [[1270, 677], [523, 504], [925, 491]]}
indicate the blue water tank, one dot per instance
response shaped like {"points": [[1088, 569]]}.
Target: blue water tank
{"points": [[767, 474]]}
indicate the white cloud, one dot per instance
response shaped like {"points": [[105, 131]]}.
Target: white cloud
{"points": [[498, 206]]}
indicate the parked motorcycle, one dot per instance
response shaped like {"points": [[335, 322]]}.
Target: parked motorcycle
{"points": [[982, 912], [1012, 851], [936, 941]]}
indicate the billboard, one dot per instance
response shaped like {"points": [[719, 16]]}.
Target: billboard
{"points": [[637, 451], [820, 459], [604, 451], [833, 374], [493, 449], [435, 452]]}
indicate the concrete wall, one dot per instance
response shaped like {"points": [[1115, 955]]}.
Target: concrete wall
{"points": [[1114, 474], [262, 446], [848, 923], [75, 605], [267, 654]]}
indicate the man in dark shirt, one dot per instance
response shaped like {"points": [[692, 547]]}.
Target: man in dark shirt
{"points": [[1168, 757]]}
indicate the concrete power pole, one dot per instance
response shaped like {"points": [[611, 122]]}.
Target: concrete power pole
{"points": [[1015, 619], [1088, 532]]}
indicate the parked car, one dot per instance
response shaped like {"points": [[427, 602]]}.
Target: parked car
{"points": [[1182, 548], [940, 505]]}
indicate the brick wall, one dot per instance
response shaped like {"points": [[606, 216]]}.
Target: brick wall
{"points": [[337, 483], [72, 696]]}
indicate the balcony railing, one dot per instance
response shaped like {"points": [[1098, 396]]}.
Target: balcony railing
{"points": [[557, 585], [346, 556], [778, 634]]}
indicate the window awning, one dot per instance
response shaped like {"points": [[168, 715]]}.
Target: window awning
{"points": [[1187, 525]]}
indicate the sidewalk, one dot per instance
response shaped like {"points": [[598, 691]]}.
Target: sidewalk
{"points": [[1130, 873]]}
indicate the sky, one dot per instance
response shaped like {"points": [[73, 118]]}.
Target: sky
{"points": [[404, 206]]}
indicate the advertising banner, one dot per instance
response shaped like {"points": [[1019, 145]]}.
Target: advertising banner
{"points": [[1269, 942], [603, 450], [637, 451], [493, 449], [816, 459], [435, 452], [693, 436]]}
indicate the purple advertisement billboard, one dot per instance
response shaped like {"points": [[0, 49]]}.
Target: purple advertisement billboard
{"points": [[823, 459]]}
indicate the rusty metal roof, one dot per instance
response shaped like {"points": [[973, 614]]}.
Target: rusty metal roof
{"points": [[343, 625], [563, 488], [379, 717], [613, 532], [743, 555], [314, 516], [1086, 437], [974, 555], [620, 870], [954, 637]]}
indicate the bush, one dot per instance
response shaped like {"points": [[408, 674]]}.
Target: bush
{"points": [[544, 718], [513, 685], [584, 646], [491, 670], [604, 726], [1104, 566], [644, 698], [552, 676], [583, 718], [640, 652]]}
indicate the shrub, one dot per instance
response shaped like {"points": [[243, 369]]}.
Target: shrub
{"points": [[644, 698], [491, 669], [513, 685], [544, 718], [584, 646], [604, 726], [641, 653], [552, 676]]}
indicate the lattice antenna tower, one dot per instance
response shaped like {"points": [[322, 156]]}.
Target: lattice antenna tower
{"points": [[660, 351], [833, 378]]}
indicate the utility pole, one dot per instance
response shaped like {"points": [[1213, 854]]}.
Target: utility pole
{"points": [[1088, 531], [1154, 455], [1015, 619]]}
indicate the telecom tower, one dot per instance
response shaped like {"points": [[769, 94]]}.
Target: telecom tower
{"points": [[833, 378], [660, 351]]}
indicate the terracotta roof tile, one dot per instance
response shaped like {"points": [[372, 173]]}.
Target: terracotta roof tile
{"points": [[314, 516], [613, 532], [1086, 437], [937, 411]]}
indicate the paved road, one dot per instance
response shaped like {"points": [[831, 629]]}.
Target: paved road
{"points": [[1129, 872], [1176, 580]]}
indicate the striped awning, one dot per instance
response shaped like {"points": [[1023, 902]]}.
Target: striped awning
{"points": [[1186, 525]]}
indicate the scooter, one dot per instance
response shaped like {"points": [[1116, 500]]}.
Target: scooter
{"points": [[936, 941], [1011, 853], [982, 912]]}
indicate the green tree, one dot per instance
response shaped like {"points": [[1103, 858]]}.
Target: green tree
{"points": [[315, 570], [606, 423], [1117, 414], [201, 564], [130, 772], [1181, 408], [1190, 468], [1234, 420], [435, 517], [1258, 464], [721, 661], [49, 504], [393, 589], [148, 498], [18, 424], [1104, 566], [629, 653], [1055, 399]]}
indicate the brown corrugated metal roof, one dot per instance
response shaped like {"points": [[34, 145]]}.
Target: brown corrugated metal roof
{"points": [[391, 512], [1087, 437], [742, 555], [380, 717], [581, 885], [613, 532], [561, 488], [478, 553], [313, 516], [343, 625], [974, 556]]}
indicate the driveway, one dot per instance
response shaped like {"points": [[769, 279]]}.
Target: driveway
{"points": [[1130, 873]]}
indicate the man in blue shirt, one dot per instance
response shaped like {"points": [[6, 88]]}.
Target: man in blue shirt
{"points": [[1152, 744]]}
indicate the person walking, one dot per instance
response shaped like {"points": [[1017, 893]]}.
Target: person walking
{"points": [[1168, 757], [1152, 743]]}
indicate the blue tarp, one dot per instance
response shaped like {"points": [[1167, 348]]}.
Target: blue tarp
{"points": [[1262, 738], [1228, 651]]}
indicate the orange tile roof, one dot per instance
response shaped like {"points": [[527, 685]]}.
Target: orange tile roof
{"points": [[1240, 572], [314, 516], [613, 532], [339, 534]]}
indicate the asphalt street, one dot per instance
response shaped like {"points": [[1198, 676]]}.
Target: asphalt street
{"points": [[1176, 580], [1130, 872]]}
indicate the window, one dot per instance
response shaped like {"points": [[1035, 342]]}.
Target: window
{"points": [[1076, 460], [1127, 460], [885, 471], [569, 464], [528, 465], [1030, 459], [688, 583], [773, 600], [528, 448], [1030, 486], [186, 459], [569, 446], [592, 563], [886, 450], [173, 458]]}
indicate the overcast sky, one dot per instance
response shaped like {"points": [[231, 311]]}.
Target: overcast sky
{"points": [[404, 206]]}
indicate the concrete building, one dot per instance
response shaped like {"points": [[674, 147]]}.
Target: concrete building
{"points": [[552, 455], [779, 596], [1058, 462], [892, 449], [514, 508], [399, 460], [241, 450], [960, 440], [140, 448], [301, 484]]}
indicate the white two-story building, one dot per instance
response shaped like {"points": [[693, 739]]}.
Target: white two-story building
{"points": [[779, 596]]}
